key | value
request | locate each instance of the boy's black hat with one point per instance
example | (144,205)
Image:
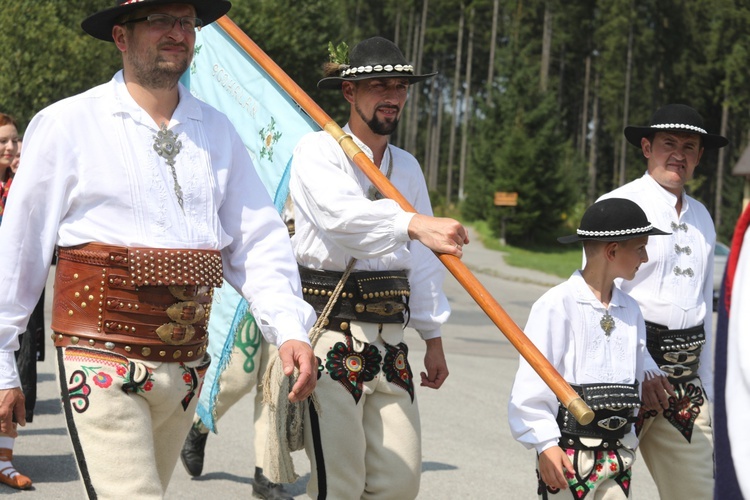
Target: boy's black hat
(613,219)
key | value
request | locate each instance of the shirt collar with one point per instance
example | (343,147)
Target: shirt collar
(584,294)
(662,194)
(187,109)
(365,148)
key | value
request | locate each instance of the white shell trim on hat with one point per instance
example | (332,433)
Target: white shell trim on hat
(680,126)
(405,68)
(619,232)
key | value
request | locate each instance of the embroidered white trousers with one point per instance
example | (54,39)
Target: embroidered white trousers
(127,419)
(681,461)
(366,442)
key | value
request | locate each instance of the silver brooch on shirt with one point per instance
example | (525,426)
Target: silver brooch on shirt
(676,226)
(168,147)
(683,272)
(678,249)
(607,323)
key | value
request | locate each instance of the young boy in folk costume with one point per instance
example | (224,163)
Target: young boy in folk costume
(595,336)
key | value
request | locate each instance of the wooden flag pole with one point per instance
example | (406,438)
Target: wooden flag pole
(478,292)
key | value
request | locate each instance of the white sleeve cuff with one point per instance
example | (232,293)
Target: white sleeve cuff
(8,372)
(284,329)
(429,334)
(545,445)
(401,226)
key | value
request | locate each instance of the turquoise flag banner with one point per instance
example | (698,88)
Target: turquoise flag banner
(268,120)
(270,123)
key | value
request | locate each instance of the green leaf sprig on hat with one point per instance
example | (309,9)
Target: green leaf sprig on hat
(339,54)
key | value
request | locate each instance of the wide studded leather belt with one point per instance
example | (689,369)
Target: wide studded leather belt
(145,303)
(614,407)
(677,352)
(368,296)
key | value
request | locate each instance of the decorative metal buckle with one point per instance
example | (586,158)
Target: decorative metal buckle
(677,370)
(186,313)
(679,356)
(189,292)
(612,423)
(385,308)
(175,333)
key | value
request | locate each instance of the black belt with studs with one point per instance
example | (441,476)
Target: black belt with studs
(367,296)
(613,406)
(677,352)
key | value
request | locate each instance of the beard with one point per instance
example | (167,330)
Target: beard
(155,72)
(380,127)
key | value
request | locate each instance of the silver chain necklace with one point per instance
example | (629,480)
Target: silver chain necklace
(373,193)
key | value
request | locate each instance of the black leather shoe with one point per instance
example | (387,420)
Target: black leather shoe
(264,488)
(193,451)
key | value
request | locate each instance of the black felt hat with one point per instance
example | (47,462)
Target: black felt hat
(613,219)
(374,57)
(675,118)
(99,25)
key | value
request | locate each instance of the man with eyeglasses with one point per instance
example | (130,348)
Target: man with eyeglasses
(152,200)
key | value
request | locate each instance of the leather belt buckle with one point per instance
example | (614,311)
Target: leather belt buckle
(385,308)
(188,292)
(612,423)
(676,371)
(186,313)
(175,333)
(679,357)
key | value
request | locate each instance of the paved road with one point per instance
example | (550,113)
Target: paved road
(468,451)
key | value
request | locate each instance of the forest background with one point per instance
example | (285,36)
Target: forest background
(531,96)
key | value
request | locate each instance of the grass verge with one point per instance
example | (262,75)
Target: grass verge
(560,260)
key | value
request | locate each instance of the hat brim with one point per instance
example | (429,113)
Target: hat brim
(334,82)
(635,134)
(99,25)
(575,237)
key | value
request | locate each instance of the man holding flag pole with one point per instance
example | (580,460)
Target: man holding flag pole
(349,241)
(152,199)
(280,467)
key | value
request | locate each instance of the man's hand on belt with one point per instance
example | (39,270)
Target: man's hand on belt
(656,392)
(12,404)
(295,353)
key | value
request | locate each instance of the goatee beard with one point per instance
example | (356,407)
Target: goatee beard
(377,126)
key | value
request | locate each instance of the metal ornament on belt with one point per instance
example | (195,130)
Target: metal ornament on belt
(612,423)
(168,147)
(679,357)
(186,313)
(188,292)
(385,308)
(175,333)
(676,370)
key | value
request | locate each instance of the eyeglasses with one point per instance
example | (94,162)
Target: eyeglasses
(165,22)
